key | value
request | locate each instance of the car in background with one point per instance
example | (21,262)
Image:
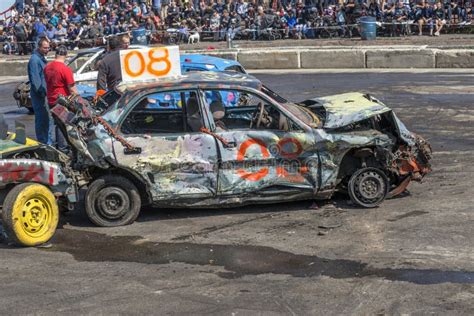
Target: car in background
(84,65)
(199,62)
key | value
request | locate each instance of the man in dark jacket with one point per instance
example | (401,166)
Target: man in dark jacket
(110,73)
(21,34)
(43,126)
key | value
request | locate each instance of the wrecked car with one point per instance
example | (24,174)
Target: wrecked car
(205,151)
(34,181)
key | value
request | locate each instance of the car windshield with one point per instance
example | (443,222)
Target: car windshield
(116,101)
(107,101)
(79,60)
(236,68)
(304,114)
(300,112)
(272,94)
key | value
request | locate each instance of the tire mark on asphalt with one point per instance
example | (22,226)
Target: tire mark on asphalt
(215,228)
(409,214)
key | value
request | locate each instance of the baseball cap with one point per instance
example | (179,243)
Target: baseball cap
(61,50)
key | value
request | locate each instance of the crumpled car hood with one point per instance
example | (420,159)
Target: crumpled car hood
(9,144)
(348,108)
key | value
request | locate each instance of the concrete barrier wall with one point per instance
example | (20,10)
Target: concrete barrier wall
(337,58)
(325,58)
(400,59)
(455,59)
(269,59)
(351,58)
(13,68)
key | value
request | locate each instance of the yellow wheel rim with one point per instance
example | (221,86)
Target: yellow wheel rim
(35,215)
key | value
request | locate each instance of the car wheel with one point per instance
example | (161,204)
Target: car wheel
(30,214)
(368,187)
(112,201)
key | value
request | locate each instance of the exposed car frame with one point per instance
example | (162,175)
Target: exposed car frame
(288,152)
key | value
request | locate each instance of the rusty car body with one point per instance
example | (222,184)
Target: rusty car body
(204,151)
(187,142)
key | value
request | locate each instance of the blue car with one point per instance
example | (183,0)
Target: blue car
(198,62)
(189,63)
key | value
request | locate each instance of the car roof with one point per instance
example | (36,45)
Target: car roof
(99,49)
(202,79)
(90,50)
(219,63)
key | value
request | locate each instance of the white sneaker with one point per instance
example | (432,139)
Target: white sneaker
(436,33)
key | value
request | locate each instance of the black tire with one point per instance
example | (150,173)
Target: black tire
(112,201)
(368,187)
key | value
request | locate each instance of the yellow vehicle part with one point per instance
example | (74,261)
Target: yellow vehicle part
(9,144)
(30,214)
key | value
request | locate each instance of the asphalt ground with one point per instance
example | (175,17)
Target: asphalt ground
(413,254)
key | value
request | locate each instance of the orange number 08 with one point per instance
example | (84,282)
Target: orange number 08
(153,60)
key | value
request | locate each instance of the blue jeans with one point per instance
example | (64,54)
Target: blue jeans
(59,140)
(231,32)
(43,119)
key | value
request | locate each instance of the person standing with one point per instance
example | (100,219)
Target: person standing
(39,30)
(59,81)
(156,6)
(38,92)
(21,34)
(110,72)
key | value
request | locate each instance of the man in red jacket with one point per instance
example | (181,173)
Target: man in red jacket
(59,81)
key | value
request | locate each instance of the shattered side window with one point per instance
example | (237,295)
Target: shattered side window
(228,98)
(231,108)
(238,109)
(159,113)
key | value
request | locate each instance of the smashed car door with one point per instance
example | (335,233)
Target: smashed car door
(170,152)
(261,149)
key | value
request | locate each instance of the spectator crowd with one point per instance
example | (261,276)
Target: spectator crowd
(85,23)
